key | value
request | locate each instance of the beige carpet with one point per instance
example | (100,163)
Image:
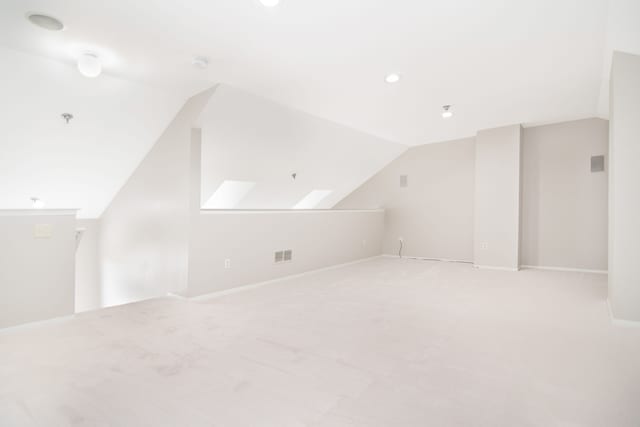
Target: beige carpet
(384,343)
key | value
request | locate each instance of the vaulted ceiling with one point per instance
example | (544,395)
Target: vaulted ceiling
(497,62)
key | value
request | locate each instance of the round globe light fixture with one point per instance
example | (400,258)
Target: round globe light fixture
(270,3)
(89,65)
(392,78)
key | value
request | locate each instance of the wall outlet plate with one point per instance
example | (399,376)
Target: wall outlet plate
(227,263)
(42,231)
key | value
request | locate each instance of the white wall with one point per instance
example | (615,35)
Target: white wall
(434,213)
(249,239)
(248,138)
(36,274)
(497,197)
(88,290)
(564,204)
(624,189)
(145,231)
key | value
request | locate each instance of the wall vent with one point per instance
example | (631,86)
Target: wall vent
(597,163)
(404,181)
(283,256)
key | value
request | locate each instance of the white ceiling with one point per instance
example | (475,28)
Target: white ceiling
(248,138)
(498,62)
(82,164)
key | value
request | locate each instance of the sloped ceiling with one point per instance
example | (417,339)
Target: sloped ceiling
(498,62)
(251,139)
(81,164)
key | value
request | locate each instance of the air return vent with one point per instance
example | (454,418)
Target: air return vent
(283,256)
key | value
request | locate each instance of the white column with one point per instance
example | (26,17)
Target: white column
(624,188)
(497,198)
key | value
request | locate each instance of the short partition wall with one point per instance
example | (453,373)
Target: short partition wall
(234,248)
(37,263)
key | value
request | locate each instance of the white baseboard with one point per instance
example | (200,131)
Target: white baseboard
(491,267)
(621,322)
(427,259)
(37,323)
(573,270)
(243,288)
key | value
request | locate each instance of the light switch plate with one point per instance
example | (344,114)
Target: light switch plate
(42,231)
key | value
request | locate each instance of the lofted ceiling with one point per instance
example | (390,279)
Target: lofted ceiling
(260,144)
(497,62)
(81,164)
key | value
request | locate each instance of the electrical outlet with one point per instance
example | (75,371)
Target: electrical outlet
(42,231)
(401,239)
(484,246)
(364,243)
(227,263)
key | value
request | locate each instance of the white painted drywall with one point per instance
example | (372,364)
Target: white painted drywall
(434,213)
(624,188)
(497,197)
(145,231)
(36,274)
(88,290)
(564,204)
(249,239)
(248,138)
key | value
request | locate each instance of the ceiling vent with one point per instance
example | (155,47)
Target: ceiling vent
(45,21)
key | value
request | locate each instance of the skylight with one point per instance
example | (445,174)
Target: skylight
(229,194)
(313,199)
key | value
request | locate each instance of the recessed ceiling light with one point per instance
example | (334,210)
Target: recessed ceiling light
(200,62)
(89,65)
(392,78)
(37,203)
(446,111)
(270,3)
(45,21)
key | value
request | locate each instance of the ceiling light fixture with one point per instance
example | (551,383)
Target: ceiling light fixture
(89,65)
(446,111)
(270,3)
(200,62)
(45,21)
(392,78)
(37,203)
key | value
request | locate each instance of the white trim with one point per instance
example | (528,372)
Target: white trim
(36,323)
(243,288)
(37,212)
(419,258)
(572,270)
(621,322)
(289,211)
(491,267)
